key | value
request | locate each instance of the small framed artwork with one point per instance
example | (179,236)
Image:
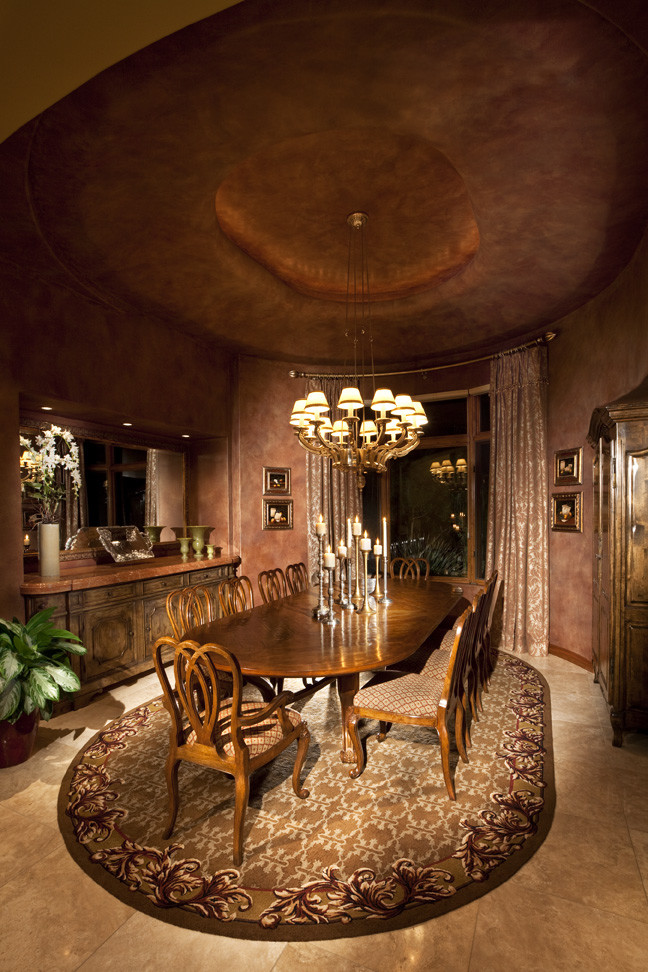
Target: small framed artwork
(277,514)
(566,512)
(276,480)
(567,467)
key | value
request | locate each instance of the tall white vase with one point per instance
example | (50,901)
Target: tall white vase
(49,549)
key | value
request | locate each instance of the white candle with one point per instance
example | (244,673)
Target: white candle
(342,550)
(377,548)
(329,559)
(384,543)
(357,527)
(365,543)
(349,534)
(320,526)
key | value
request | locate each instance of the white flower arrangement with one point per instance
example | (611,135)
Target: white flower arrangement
(53,449)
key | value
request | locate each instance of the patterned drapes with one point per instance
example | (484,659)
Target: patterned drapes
(517,544)
(332,492)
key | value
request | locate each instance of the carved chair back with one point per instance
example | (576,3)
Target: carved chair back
(272,584)
(189,606)
(235,594)
(214,726)
(297,577)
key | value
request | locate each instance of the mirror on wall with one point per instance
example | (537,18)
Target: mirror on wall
(123,483)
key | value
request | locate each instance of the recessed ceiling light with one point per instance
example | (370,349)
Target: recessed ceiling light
(46,408)
(185,436)
(127,424)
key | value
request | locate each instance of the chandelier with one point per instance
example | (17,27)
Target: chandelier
(354,440)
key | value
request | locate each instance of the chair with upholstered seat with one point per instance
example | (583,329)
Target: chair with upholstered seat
(235,594)
(189,606)
(297,577)
(432,698)
(220,729)
(272,584)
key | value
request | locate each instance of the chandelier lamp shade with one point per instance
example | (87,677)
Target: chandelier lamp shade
(359,437)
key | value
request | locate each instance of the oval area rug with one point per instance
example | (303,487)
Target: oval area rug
(357,857)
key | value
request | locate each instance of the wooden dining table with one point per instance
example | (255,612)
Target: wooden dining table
(282,639)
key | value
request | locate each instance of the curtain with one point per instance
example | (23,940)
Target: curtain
(151,494)
(76,507)
(332,492)
(517,542)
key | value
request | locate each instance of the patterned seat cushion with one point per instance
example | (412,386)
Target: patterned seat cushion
(448,640)
(414,695)
(258,738)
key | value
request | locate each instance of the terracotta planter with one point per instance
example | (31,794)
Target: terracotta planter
(17,739)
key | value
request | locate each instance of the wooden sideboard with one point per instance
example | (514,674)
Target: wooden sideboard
(619,434)
(119,611)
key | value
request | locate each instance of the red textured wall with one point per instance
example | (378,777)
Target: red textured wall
(600,353)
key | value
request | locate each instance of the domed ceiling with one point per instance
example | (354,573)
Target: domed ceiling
(499,149)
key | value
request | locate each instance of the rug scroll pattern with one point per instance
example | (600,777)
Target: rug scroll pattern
(396,847)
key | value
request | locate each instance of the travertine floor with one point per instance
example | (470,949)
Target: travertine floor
(580,903)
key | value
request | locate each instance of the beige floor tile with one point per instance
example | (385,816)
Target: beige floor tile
(144,944)
(54,916)
(443,943)
(639,840)
(590,863)
(519,929)
(304,957)
(24,842)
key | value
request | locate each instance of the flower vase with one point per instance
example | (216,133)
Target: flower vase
(49,550)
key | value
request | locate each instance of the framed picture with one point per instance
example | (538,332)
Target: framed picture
(276,480)
(566,512)
(277,514)
(568,467)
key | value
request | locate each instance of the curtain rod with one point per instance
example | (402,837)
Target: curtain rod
(544,339)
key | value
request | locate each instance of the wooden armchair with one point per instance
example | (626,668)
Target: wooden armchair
(188,606)
(431,698)
(272,584)
(297,577)
(235,594)
(211,727)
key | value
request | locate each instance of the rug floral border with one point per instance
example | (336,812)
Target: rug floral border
(164,884)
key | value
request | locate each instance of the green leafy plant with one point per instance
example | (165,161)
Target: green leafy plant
(34,665)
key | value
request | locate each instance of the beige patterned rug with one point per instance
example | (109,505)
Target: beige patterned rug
(384,851)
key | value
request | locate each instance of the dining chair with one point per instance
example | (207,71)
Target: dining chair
(431,698)
(272,584)
(218,728)
(235,594)
(395,565)
(297,577)
(188,606)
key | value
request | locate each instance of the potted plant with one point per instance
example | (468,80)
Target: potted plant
(34,668)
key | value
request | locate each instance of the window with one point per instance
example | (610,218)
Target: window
(116,484)
(438,494)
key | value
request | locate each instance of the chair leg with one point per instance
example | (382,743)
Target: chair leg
(384,729)
(461,731)
(442,729)
(302,751)
(352,729)
(242,783)
(172,765)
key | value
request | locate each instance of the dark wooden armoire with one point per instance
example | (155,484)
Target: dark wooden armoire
(619,435)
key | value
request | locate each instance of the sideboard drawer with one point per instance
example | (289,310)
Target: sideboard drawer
(99,596)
